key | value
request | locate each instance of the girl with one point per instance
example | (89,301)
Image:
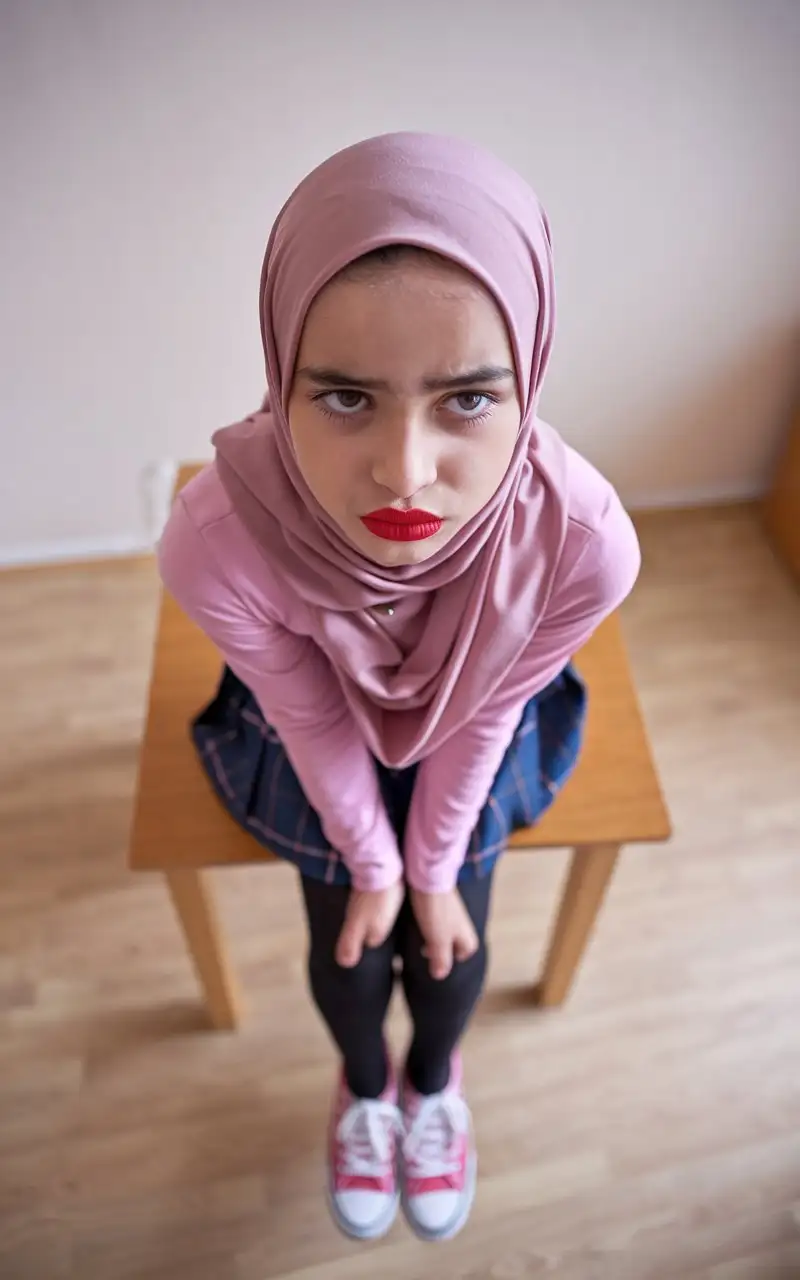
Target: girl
(397,560)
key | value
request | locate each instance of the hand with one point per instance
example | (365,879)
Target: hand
(368,921)
(446,927)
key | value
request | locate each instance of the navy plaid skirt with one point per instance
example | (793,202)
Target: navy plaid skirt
(253,777)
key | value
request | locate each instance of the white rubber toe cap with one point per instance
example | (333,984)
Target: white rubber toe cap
(436,1211)
(363,1213)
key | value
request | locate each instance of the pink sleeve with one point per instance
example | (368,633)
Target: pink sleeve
(454,783)
(299,694)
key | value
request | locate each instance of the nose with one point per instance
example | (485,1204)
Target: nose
(405,459)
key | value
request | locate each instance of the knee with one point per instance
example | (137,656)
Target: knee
(373,970)
(465,975)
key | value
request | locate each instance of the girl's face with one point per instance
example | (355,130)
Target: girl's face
(404,399)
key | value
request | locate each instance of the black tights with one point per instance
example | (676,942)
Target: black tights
(354,1002)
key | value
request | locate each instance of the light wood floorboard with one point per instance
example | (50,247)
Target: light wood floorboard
(649,1130)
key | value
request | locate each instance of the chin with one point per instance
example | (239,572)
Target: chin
(394,555)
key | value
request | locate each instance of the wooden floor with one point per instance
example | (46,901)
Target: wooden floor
(649,1131)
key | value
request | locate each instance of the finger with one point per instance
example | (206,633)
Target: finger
(441,959)
(350,946)
(466,945)
(377,933)
(382,925)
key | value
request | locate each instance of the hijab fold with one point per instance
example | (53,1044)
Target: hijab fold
(493,580)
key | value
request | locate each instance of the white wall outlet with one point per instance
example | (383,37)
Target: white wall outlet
(157,484)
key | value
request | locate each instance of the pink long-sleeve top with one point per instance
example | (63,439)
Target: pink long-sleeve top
(270,639)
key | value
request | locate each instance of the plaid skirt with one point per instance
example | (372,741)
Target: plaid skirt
(248,768)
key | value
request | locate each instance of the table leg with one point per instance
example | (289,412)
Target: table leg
(194,903)
(589,874)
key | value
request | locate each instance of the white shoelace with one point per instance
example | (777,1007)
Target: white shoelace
(365,1131)
(431,1139)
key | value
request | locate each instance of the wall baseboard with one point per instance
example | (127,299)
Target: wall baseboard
(702,496)
(71,550)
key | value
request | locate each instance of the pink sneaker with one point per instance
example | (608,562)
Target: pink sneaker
(439,1162)
(362,1162)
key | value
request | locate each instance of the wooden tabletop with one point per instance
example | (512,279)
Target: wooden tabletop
(614,796)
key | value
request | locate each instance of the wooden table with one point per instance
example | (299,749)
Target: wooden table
(782,502)
(180,828)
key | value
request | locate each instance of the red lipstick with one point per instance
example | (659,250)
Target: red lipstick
(402,526)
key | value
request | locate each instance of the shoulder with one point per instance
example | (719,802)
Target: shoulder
(186,547)
(588,494)
(204,498)
(206,558)
(601,557)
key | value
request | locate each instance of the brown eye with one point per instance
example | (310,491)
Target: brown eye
(470,401)
(344,403)
(470,405)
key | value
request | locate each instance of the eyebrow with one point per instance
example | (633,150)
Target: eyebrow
(325,377)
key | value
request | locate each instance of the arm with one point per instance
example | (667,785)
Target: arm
(300,696)
(453,784)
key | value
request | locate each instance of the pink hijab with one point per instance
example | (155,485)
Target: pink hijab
(493,580)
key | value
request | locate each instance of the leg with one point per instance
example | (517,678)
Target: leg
(191,897)
(441,1009)
(589,874)
(353,1002)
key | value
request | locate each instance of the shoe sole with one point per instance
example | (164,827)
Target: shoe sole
(375,1231)
(459,1222)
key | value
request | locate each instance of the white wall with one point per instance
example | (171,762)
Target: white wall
(148,144)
